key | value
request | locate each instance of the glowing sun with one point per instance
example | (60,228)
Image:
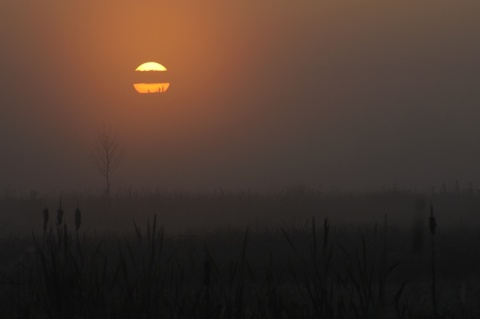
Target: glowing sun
(151,78)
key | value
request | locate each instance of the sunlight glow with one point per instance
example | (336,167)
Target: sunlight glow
(151,87)
(151,66)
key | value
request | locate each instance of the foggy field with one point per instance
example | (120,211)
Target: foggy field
(298,253)
(232,159)
(181,212)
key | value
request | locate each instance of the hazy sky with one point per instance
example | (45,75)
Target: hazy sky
(265,94)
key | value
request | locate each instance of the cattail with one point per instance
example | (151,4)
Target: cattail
(432,221)
(418,227)
(78,218)
(45,218)
(59,214)
(433,225)
(326,230)
(207,269)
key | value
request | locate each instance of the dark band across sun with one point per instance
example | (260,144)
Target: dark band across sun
(151,78)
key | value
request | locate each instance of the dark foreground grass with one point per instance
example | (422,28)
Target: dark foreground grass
(317,271)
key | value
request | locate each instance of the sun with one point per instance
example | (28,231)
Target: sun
(151,66)
(151,87)
(151,76)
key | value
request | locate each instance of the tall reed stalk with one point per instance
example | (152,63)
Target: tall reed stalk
(433,226)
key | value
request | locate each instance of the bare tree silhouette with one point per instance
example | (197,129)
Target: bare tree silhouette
(107,155)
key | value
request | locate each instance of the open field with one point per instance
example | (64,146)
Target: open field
(293,254)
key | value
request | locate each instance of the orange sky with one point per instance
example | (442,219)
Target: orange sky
(350,94)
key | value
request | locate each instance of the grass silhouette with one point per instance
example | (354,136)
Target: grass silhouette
(338,270)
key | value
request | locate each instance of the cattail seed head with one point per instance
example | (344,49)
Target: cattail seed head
(59,214)
(78,218)
(45,218)
(326,230)
(207,269)
(432,221)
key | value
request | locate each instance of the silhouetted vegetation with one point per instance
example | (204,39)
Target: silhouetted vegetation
(316,267)
(107,155)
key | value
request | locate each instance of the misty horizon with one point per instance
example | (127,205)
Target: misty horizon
(344,95)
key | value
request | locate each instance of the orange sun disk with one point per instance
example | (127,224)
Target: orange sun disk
(151,87)
(156,87)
